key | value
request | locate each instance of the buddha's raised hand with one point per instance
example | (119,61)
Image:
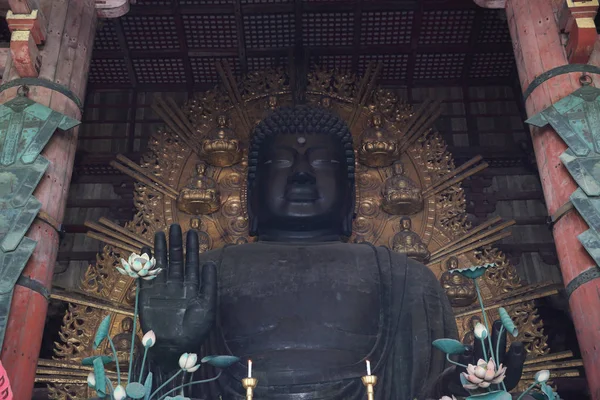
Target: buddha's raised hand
(179,305)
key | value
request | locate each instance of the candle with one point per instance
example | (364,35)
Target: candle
(249,368)
(368,367)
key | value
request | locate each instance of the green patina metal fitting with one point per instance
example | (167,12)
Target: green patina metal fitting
(11,267)
(18,181)
(14,223)
(576,119)
(26,127)
(591,242)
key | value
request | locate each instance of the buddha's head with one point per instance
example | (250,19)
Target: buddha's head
(405,224)
(301,175)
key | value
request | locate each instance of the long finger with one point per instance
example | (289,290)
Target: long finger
(478,349)
(175,271)
(496,327)
(515,360)
(192,265)
(160,253)
(147,250)
(208,286)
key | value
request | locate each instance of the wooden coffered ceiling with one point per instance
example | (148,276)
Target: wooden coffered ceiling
(174,44)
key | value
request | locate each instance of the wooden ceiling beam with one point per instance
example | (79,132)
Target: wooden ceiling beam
(181,37)
(241,36)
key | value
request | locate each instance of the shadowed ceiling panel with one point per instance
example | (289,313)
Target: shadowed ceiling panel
(381,27)
(328,29)
(205,71)
(439,66)
(142,32)
(446,26)
(453,40)
(340,62)
(260,63)
(106,36)
(154,2)
(203,2)
(494,28)
(210,30)
(269,30)
(394,65)
(264,1)
(109,70)
(159,70)
(490,65)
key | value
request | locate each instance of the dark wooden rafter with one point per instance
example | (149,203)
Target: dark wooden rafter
(183,46)
(118,25)
(241,36)
(357,34)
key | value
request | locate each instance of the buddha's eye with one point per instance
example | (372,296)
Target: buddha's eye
(318,163)
(281,163)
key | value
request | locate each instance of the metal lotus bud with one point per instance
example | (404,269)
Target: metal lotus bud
(542,376)
(91,380)
(149,339)
(119,393)
(188,361)
(480,331)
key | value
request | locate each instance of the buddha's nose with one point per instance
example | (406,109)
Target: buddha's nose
(302,178)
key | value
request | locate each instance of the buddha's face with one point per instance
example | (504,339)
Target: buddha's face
(405,224)
(301,183)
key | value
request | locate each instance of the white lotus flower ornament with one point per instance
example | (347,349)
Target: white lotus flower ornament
(119,393)
(91,380)
(139,266)
(187,362)
(149,339)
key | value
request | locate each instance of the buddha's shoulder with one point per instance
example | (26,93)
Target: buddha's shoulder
(414,270)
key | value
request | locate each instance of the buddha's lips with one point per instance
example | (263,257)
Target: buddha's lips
(296,192)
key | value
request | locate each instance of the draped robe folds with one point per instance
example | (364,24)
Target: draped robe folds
(413,312)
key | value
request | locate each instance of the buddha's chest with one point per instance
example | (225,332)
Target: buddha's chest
(300,294)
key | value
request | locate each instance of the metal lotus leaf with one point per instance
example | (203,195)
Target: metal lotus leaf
(26,127)
(449,346)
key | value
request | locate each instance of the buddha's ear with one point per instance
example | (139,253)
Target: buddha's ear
(252,220)
(350,212)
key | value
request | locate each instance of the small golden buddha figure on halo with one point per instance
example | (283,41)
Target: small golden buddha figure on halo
(401,196)
(201,195)
(460,290)
(221,147)
(122,341)
(407,241)
(272,102)
(378,147)
(325,102)
(204,241)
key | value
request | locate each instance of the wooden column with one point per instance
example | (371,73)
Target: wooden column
(538,48)
(65,59)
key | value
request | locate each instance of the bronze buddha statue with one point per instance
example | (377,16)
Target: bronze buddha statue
(460,290)
(401,196)
(307,307)
(201,195)
(408,242)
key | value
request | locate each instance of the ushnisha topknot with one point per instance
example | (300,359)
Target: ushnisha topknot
(301,120)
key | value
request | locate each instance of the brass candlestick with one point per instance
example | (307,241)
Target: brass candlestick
(249,384)
(370,381)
